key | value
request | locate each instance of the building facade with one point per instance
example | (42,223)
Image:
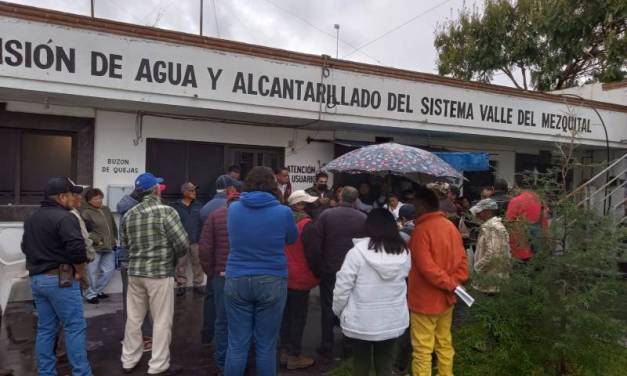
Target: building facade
(102,101)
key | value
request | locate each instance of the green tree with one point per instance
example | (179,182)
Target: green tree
(554,44)
(563,312)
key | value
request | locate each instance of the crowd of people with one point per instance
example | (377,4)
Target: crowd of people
(387,264)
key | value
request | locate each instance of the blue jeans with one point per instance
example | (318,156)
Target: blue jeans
(208,315)
(105,264)
(254,308)
(55,304)
(221,330)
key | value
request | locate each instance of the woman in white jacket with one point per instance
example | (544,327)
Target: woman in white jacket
(370,295)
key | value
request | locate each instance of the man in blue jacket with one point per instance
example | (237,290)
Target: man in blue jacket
(225,185)
(189,211)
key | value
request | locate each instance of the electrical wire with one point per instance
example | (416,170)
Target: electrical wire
(160,9)
(331,35)
(215,17)
(414,18)
(119,6)
(144,19)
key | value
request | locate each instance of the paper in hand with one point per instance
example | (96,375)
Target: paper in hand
(464,296)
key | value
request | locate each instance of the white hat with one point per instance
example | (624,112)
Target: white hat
(485,204)
(301,196)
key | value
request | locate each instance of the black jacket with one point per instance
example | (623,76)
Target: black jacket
(502,200)
(336,229)
(190,217)
(52,236)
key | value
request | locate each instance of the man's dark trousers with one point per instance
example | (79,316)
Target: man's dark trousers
(328,319)
(294,321)
(209,315)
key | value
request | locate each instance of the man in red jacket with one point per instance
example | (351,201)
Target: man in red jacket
(439,266)
(300,280)
(214,252)
(529,223)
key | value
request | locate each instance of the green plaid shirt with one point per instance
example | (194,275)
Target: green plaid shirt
(155,238)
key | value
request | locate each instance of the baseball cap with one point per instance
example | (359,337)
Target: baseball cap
(225,181)
(146,181)
(407,212)
(59,185)
(189,186)
(301,196)
(485,204)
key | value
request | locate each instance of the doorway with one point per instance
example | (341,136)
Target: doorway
(202,162)
(247,158)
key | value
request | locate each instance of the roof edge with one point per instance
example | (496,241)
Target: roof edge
(614,85)
(126,29)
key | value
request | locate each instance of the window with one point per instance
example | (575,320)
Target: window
(29,159)
(202,162)
(180,161)
(477,180)
(527,164)
(247,158)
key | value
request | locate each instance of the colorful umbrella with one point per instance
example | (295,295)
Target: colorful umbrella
(392,158)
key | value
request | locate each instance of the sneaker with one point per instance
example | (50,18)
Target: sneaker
(283,357)
(299,362)
(102,295)
(180,291)
(93,300)
(173,370)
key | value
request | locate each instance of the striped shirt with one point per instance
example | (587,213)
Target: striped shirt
(155,238)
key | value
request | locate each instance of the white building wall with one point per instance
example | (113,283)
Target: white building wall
(597,93)
(116,131)
(50,109)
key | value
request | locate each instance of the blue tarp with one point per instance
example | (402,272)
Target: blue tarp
(472,161)
(461,161)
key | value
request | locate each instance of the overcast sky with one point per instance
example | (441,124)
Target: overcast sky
(396,33)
